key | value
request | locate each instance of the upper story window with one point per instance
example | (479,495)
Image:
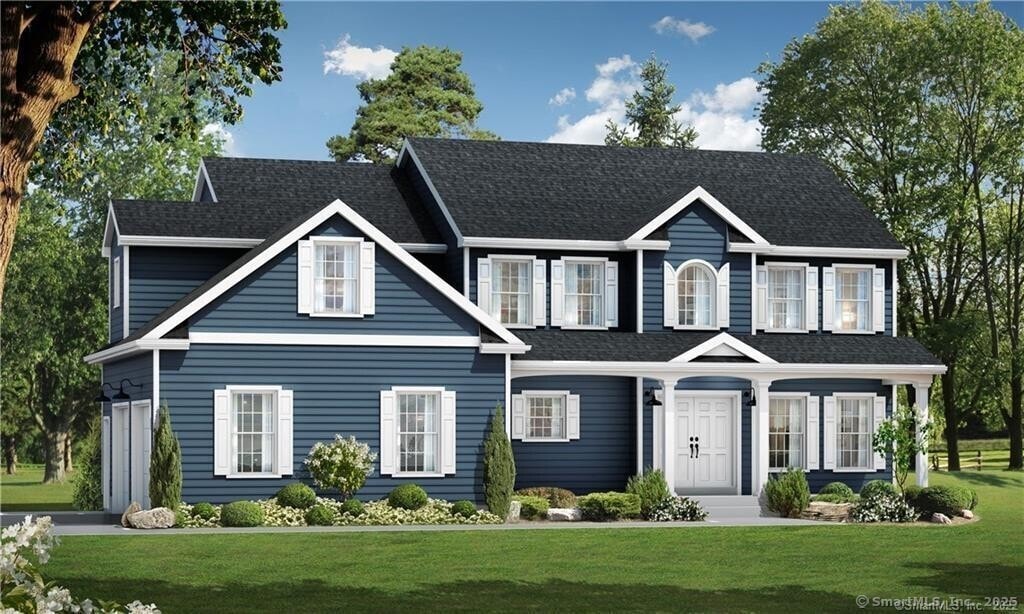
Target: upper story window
(511,283)
(786,298)
(584,294)
(336,277)
(696,286)
(853,299)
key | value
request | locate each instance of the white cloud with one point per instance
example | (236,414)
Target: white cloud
(563,97)
(735,96)
(360,62)
(222,134)
(617,79)
(683,27)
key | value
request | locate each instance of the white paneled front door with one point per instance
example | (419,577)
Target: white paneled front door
(705,443)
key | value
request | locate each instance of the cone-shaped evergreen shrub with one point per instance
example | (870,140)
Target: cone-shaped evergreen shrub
(165,465)
(88,481)
(499,467)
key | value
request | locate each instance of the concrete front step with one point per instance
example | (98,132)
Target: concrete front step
(730,506)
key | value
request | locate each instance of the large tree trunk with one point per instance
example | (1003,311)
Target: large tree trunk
(952,414)
(1013,423)
(10,456)
(66,453)
(53,456)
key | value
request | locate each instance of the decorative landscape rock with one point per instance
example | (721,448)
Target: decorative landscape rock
(156,518)
(968,514)
(564,514)
(131,509)
(941,518)
(828,512)
(514,509)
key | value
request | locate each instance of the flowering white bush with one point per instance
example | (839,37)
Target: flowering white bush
(22,588)
(677,508)
(343,464)
(883,507)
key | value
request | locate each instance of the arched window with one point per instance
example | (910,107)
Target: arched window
(696,286)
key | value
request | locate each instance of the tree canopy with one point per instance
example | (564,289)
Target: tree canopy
(650,114)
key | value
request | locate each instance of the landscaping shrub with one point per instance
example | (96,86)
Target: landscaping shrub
(241,514)
(970,496)
(652,489)
(533,508)
(602,506)
(466,509)
(165,464)
(204,510)
(319,516)
(945,500)
(911,493)
(353,507)
(875,487)
(407,497)
(499,467)
(836,488)
(557,497)
(88,480)
(343,464)
(296,495)
(677,508)
(828,498)
(883,507)
(788,493)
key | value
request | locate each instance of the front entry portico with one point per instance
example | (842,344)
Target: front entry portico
(706,443)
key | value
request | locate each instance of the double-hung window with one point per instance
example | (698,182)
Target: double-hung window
(511,284)
(787,439)
(854,427)
(336,277)
(786,297)
(253,433)
(584,294)
(545,417)
(419,433)
(853,299)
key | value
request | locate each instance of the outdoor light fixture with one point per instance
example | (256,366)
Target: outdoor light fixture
(650,400)
(121,394)
(753,397)
(102,398)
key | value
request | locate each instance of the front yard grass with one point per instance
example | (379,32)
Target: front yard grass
(25,492)
(820,568)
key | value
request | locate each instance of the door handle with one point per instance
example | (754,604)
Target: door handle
(691,447)
(697,445)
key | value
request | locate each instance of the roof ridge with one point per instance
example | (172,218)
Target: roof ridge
(613,147)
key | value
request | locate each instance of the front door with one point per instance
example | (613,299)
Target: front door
(705,438)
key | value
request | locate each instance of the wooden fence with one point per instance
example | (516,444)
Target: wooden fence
(940,462)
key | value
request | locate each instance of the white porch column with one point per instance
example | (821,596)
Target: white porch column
(668,431)
(759,419)
(921,405)
(639,425)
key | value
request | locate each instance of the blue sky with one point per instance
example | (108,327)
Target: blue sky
(521,56)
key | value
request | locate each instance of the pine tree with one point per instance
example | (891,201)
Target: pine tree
(499,467)
(87,494)
(649,114)
(165,465)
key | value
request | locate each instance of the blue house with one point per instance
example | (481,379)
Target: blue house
(717,315)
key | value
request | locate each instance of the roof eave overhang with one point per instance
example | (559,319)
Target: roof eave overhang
(130,348)
(565,244)
(819,252)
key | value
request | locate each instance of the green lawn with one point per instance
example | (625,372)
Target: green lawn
(25,492)
(821,568)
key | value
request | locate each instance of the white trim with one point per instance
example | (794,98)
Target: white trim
(134,347)
(465,271)
(202,174)
(806,397)
(710,346)
(583,245)
(373,233)
(407,148)
(699,194)
(870,270)
(604,292)
(639,298)
(895,302)
(156,383)
(232,452)
(507,405)
(504,348)
(425,248)
(736,396)
(802,267)
(443,395)
(335,339)
(108,232)
(360,301)
(819,252)
(753,294)
(125,279)
(244,243)
(640,425)
(839,396)
(562,394)
(713,290)
(491,260)
(115,281)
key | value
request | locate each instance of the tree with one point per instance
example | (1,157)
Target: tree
(650,114)
(897,437)
(499,467)
(871,92)
(426,94)
(88,481)
(1008,291)
(54,54)
(165,464)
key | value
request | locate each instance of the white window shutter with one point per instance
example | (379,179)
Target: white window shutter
(572,416)
(761,302)
(285,413)
(116,291)
(221,433)
(540,288)
(448,432)
(105,461)
(879,418)
(722,305)
(812,432)
(830,433)
(367,278)
(518,416)
(388,417)
(671,297)
(611,294)
(811,306)
(878,299)
(483,284)
(557,292)
(305,281)
(828,298)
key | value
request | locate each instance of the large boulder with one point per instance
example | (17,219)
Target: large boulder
(514,509)
(131,509)
(941,518)
(968,514)
(156,518)
(829,512)
(564,514)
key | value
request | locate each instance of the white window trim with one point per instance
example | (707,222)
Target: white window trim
(232,452)
(495,258)
(439,391)
(714,295)
(795,266)
(115,292)
(567,260)
(358,313)
(806,396)
(871,430)
(564,395)
(870,269)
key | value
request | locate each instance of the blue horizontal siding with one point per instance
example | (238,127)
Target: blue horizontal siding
(336,390)
(453,272)
(266,301)
(603,457)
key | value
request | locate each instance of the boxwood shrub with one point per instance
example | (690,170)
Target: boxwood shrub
(319,516)
(353,507)
(408,497)
(532,508)
(466,509)
(204,510)
(296,495)
(837,488)
(557,497)
(945,500)
(241,514)
(877,487)
(603,506)
(788,493)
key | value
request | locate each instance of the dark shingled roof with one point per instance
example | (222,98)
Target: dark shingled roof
(556,191)
(255,197)
(605,346)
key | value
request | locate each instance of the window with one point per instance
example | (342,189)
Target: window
(545,417)
(335,277)
(584,294)
(252,431)
(696,291)
(117,284)
(418,432)
(853,299)
(786,437)
(854,427)
(510,291)
(786,298)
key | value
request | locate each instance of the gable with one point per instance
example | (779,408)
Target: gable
(696,197)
